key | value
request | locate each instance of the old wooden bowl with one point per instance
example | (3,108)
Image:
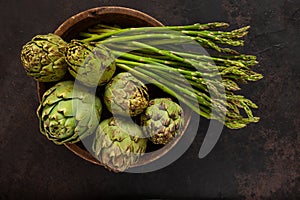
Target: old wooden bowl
(124,17)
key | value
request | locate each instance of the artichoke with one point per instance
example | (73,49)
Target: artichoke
(68,113)
(118,143)
(125,95)
(162,120)
(91,65)
(43,58)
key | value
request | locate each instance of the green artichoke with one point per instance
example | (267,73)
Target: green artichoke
(118,143)
(43,58)
(162,120)
(125,95)
(91,65)
(68,113)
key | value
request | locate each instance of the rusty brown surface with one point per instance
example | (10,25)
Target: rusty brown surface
(277,138)
(260,161)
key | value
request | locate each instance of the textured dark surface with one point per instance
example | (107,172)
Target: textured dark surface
(260,161)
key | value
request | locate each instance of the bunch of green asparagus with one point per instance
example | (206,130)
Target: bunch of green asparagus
(200,80)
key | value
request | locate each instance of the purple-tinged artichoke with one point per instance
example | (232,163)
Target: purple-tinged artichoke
(162,121)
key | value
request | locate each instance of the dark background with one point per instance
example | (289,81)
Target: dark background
(259,161)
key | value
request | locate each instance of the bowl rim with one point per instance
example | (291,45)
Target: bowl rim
(90,13)
(67,24)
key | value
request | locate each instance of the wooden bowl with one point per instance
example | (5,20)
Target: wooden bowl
(124,17)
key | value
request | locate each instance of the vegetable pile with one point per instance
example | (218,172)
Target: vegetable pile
(120,62)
